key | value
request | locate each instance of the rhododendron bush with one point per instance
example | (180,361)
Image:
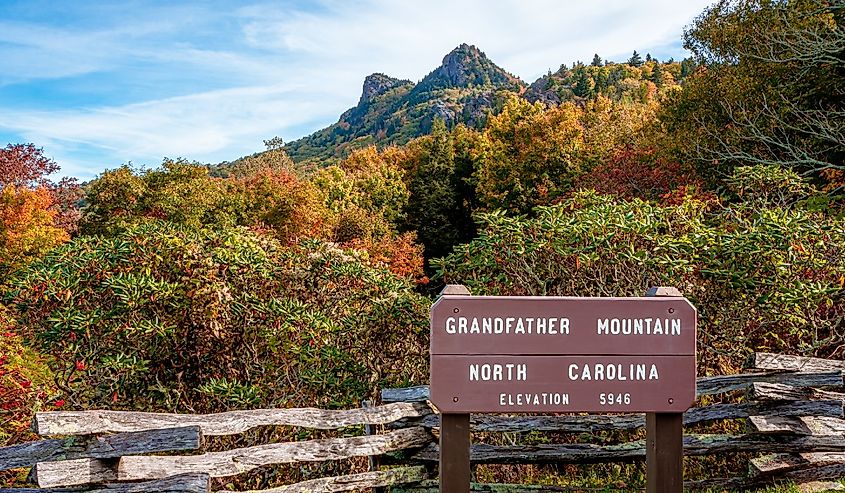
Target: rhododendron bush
(764,277)
(161,317)
(26,386)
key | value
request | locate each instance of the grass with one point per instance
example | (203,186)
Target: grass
(605,478)
(787,488)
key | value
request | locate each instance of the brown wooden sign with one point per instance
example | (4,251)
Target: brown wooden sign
(551,354)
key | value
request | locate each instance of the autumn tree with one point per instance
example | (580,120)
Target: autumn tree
(113,200)
(533,155)
(274,159)
(367,192)
(27,228)
(639,172)
(268,197)
(610,126)
(291,208)
(779,74)
(36,214)
(67,197)
(178,191)
(366,198)
(24,165)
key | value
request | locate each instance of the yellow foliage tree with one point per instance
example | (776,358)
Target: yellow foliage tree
(610,126)
(293,208)
(533,157)
(27,227)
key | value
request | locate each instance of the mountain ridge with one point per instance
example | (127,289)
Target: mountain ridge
(463,89)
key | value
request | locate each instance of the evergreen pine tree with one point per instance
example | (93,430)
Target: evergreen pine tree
(433,207)
(635,60)
(687,66)
(596,61)
(657,75)
(583,85)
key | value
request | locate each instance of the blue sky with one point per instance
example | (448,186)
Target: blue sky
(98,84)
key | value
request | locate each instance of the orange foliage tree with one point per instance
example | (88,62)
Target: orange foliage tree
(27,225)
(277,199)
(401,254)
(24,165)
(366,198)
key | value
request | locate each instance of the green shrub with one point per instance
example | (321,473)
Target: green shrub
(165,317)
(762,279)
(768,185)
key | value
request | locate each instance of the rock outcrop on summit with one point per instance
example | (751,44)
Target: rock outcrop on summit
(378,84)
(467,66)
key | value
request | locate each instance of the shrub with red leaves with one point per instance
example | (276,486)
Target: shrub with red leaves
(635,172)
(25,385)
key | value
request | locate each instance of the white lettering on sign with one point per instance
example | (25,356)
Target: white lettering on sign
(617,399)
(507,325)
(530,399)
(639,326)
(599,371)
(496,372)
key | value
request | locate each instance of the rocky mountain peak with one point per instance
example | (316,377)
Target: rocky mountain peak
(464,66)
(377,84)
(460,65)
(461,55)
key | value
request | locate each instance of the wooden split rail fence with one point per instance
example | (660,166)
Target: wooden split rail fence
(793,407)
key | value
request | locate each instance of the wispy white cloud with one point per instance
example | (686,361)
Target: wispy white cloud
(208,127)
(408,39)
(225,78)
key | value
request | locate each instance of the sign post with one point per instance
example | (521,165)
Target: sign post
(664,453)
(454,436)
(562,354)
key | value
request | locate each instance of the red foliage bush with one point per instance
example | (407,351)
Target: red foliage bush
(635,172)
(25,384)
(401,254)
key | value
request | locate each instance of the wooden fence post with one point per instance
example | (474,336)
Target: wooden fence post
(664,439)
(373,461)
(455,472)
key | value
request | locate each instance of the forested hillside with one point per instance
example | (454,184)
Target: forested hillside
(466,89)
(302,276)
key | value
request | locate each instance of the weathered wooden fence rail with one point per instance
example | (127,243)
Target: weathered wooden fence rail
(793,407)
(104,450)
